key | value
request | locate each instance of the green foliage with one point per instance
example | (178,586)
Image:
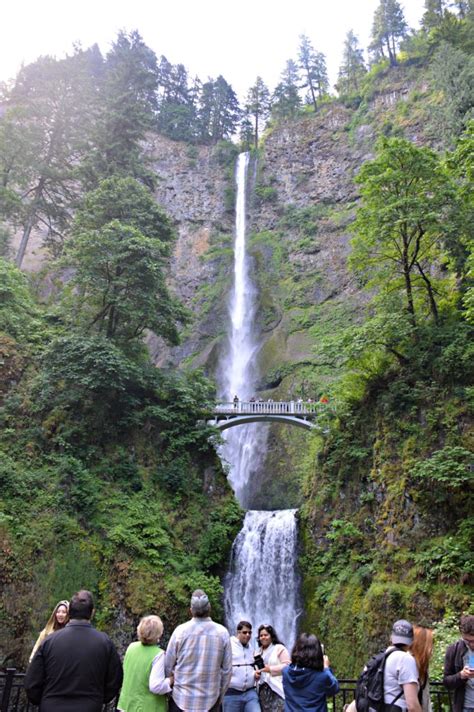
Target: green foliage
(445,558)
(19,315)
(450,468)
(266,193)
(401,225)
(452,75)
(389,26)
(216,543)
(446,632)
(118,288)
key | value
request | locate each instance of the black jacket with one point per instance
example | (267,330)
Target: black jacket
(453,664)
(76,669)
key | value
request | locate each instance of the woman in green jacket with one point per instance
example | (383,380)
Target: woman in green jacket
(145,686)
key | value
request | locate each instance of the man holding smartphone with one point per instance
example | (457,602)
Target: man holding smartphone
(459,667)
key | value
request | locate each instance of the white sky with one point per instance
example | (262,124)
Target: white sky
(210,37)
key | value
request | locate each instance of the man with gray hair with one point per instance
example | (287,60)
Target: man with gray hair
(199,655)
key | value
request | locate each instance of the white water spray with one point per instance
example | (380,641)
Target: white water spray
(262,584)
(245,446)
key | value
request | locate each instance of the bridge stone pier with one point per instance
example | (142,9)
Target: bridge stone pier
(299,413)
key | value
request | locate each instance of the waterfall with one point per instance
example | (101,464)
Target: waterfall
(262,583)
(245,445)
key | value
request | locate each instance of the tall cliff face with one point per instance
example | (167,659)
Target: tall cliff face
(302,199)
(302,195)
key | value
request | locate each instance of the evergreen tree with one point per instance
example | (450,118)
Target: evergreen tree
(257,107)
(219,111)
(119,241)
(246,134)
(286,99)
(177,108)
(434,13)
(43,138)
(128,109)
(314,71)
(389,27)
(352,69)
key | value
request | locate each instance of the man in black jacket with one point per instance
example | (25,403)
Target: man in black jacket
(77,668)
(459,667)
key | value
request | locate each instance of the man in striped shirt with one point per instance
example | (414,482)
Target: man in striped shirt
(199,655)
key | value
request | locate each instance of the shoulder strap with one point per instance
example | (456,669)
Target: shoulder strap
(389,652)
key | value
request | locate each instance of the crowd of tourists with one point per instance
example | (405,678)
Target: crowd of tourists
(75,668)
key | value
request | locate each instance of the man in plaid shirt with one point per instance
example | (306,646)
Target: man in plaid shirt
(199,655)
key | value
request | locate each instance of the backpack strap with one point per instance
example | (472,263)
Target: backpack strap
(389,652)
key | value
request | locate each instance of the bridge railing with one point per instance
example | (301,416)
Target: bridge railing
(13,697)
(268,408)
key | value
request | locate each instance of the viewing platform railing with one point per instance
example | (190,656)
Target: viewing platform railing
(13,697)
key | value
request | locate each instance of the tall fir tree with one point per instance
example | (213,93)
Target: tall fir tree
(177,108)
(219,112)
(286,99)
(128,109)
(257,107)
(352,69)
(313,69)
(388,28)
(44,136)
(434,13)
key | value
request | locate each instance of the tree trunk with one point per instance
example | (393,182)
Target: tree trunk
(408,285)
(32,214)
(313,96)
(429,289)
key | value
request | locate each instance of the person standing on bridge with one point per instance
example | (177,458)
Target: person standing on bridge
(236,402)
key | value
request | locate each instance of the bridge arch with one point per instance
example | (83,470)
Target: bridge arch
(233,421)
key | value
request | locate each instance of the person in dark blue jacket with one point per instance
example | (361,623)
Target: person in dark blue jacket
(309,680)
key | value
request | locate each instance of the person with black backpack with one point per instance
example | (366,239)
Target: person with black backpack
(389,681)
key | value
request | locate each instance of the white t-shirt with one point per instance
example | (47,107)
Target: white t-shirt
(400,668)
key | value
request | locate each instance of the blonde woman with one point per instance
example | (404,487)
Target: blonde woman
(57,620)
(145,686)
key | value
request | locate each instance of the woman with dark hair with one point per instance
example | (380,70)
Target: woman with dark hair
(269,679)
(309,680)
(56,621)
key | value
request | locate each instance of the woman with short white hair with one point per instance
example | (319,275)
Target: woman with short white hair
(144,683)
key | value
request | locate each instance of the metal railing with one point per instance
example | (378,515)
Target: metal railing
(268,408)
(13,697)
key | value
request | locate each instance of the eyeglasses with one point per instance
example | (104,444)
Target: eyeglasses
(245,632)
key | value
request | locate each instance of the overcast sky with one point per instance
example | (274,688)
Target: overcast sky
(239,40)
